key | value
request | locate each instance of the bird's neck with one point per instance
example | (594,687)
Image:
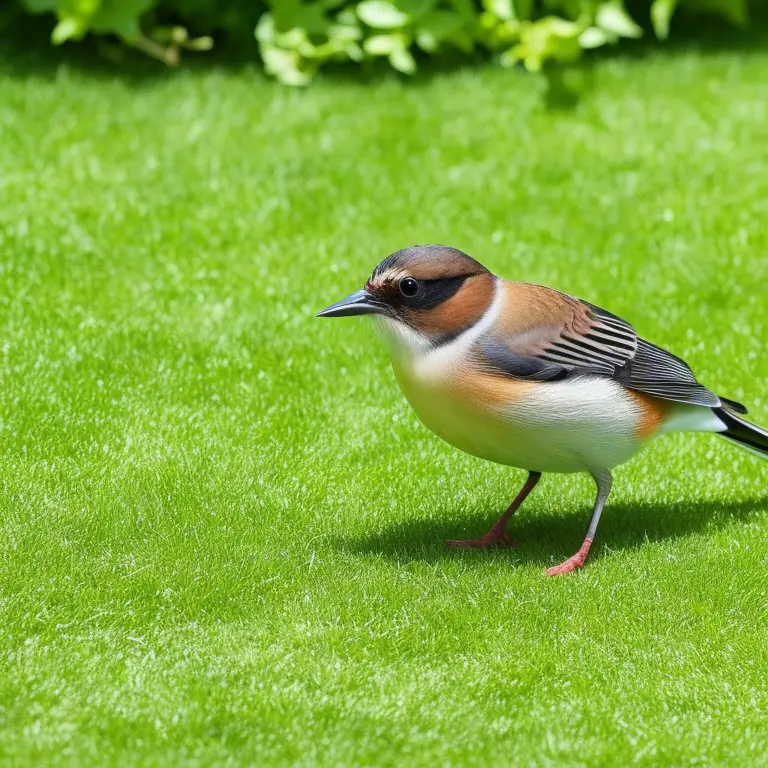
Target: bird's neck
(404,343)
(409,344)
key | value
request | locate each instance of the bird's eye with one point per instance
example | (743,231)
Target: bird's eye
(408,287)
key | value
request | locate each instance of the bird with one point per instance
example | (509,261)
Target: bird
(529,377)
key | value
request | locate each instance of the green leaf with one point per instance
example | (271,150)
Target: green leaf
(347,16)
(736,11)
(69,28)
(427,42)
(121,17)
(594,37)
(438,26)
(548,38)
(465,8)
(511,57)
(293,39)
(661,15)
(502,35)
(354,52)
(40,6)
(523,10)
(380,14)
(613,17)
(295,14)
(345,33)
(204,43)
(82,9)
(413,9)
(403,61)
(384,45)
(462,40)
(501,9)
(286,66)
(265,29)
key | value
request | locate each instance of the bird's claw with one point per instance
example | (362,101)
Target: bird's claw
(571,564)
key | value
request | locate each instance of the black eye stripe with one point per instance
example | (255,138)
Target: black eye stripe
(430,292)
(434,292)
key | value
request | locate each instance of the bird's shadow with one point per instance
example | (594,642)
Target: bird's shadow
(543,537)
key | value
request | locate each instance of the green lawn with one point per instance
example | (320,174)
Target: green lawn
(221,525)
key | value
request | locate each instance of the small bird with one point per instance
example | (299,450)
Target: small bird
(530,377)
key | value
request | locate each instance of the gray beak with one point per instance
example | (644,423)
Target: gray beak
(359,303)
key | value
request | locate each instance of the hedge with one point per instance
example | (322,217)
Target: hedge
(297,37)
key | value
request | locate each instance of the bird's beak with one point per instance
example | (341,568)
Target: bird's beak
(359,303)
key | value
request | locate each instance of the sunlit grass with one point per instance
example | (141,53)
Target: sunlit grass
(221,526)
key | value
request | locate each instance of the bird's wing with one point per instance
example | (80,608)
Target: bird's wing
(544,335)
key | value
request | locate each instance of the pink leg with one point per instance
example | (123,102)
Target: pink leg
(604,481)
(498,536)
(573,562)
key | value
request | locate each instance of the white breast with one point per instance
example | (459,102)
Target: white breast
(569,426)
(575,425)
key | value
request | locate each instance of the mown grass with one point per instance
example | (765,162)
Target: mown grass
(221,526)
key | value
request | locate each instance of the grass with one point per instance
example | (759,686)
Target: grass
(220,524)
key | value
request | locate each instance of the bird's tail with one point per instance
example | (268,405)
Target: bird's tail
(748,436)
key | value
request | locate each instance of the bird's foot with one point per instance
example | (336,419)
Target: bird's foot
(491,539)
(573,562)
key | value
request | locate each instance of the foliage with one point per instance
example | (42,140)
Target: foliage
(296,37)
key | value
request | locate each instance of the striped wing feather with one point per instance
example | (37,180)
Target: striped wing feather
(608,344)
(603,345)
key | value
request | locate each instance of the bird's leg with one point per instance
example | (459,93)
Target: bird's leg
(604,480)
(498,536)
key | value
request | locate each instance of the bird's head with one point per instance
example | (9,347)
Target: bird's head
(422,296)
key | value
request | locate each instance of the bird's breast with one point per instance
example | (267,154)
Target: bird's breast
(466,408)
(567,426)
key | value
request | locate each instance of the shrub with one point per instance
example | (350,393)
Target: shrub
(297,37)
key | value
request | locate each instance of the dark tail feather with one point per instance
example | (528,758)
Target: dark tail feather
(749,436)
(733,405)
